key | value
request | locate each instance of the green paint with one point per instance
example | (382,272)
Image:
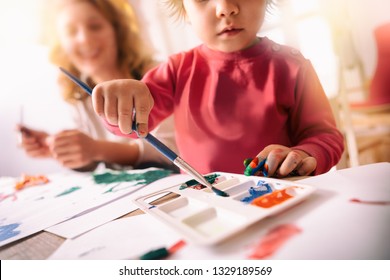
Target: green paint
(144,178)
(157,254)
(68,191)
(210,178)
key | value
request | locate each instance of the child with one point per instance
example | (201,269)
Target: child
(97,40)
(235,96)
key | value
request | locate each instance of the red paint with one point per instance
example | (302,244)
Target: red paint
(176,247)
(5,196)
(370,202)
(272,199)
(273,240)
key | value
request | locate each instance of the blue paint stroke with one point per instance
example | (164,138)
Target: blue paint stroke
(8,231)
(261,188)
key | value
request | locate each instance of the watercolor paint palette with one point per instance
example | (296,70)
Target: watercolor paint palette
(205,218)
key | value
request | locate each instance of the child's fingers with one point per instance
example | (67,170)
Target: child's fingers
(307,166)
(125,114)
(290,163)
(98,100)
(111,110)
(275,159)
(143,103)
(105,101)
(115,101)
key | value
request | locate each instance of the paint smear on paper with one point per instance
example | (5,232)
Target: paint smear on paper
(370,202)
(162,253)
(273,241)
(88,252)
(272,199)
(4,196)
(176,247)
(144,178)
(8,231)
(28,180)
(68,191)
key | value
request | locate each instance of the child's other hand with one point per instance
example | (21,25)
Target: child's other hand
(33,142)
(283,161)
(115,101)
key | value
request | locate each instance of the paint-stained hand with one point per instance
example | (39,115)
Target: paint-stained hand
(116,100)
(72,148)
(33,142)
(280,161)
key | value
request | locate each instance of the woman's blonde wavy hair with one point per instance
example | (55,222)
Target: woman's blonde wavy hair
(133,55)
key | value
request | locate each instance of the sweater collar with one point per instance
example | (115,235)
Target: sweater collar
(248,53)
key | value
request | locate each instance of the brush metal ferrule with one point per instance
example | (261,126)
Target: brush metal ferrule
(179,162)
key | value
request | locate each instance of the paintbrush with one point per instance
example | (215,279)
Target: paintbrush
(171,155)
(22,129)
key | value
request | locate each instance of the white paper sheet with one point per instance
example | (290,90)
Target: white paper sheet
(126,238)
(36,208)
(79,225)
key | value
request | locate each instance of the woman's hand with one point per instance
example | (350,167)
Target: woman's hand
(33,142)
(73,149)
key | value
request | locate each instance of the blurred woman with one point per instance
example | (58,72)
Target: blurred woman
(97,40)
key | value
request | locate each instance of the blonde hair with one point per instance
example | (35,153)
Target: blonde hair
(133,55)
(177,10)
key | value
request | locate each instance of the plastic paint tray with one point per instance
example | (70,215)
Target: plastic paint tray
(205,218)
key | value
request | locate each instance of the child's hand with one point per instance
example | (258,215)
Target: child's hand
(115,101)
(280,161)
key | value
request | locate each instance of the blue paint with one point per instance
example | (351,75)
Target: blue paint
(8,231)
(261,188)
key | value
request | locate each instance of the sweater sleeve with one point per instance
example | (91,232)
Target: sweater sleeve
(161,83)
(312,122)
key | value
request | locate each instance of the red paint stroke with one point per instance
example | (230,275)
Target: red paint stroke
(272,199)
(273,240)
(370,202)
(5,196)
(176,247)
(28,181)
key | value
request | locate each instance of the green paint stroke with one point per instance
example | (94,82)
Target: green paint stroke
(144,178)
(210,178)
(68,191)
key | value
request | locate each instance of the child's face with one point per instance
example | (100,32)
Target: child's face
(87,38)
(226,25)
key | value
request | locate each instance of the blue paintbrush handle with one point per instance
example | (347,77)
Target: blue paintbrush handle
(81,84)
(171,155)
(161,147)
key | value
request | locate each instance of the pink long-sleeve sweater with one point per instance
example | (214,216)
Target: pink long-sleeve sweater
(229,106)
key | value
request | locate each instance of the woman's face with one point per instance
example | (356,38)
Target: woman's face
(88,38)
